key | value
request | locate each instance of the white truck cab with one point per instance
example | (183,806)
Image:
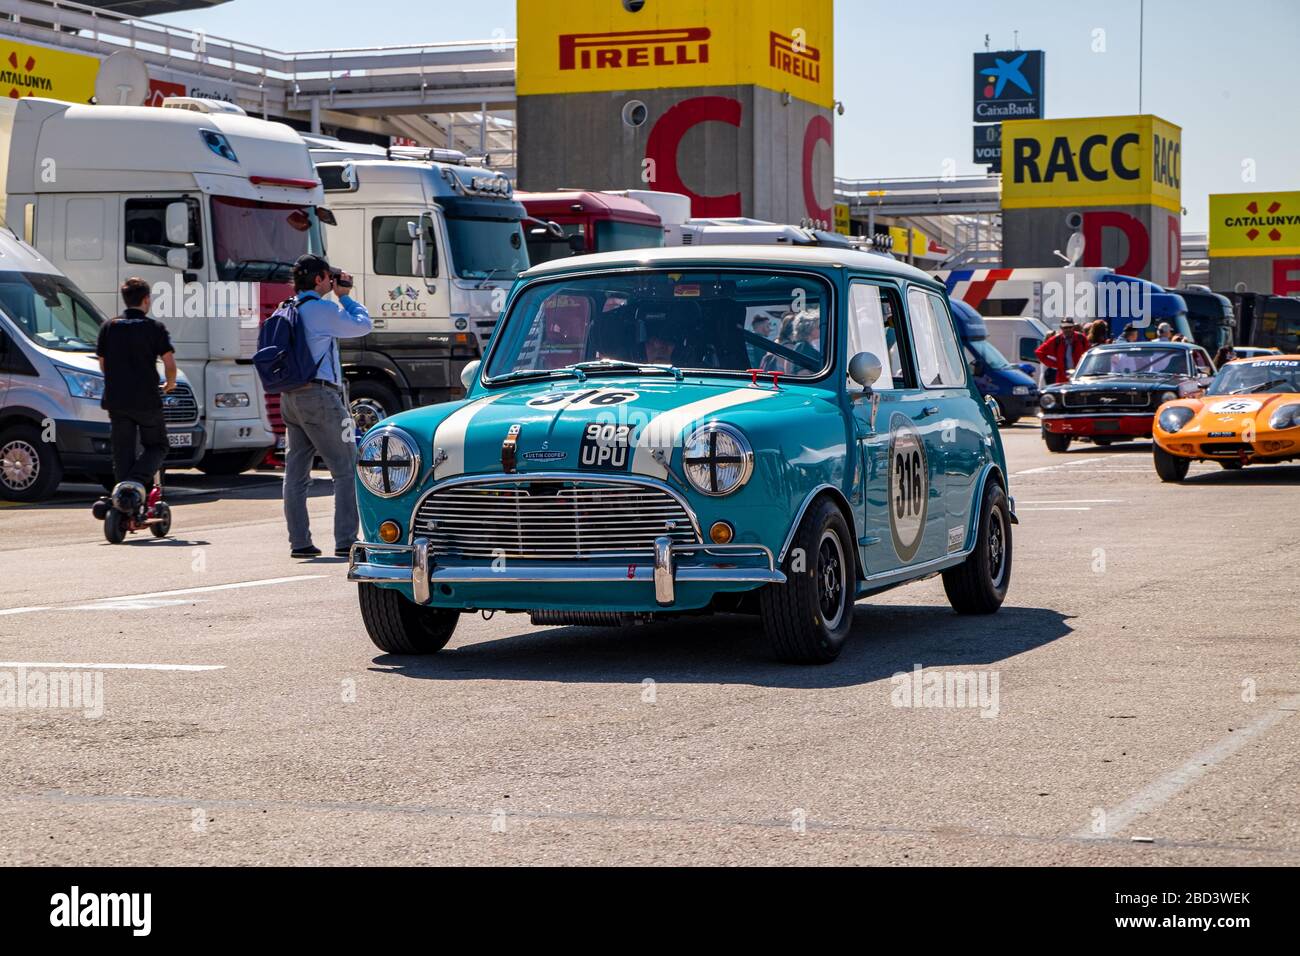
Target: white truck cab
(433,248)
(209,206)
(51,425)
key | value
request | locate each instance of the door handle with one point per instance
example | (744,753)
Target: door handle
(929,410)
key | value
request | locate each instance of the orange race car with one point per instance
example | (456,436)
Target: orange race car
(1249,414)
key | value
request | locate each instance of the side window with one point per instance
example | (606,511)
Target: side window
(391,241)
(873,327)
(1203,364)
(144,232)
(938,359)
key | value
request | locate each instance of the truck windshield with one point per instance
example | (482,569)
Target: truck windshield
(612,236)
(259,241)
(988,353)
(691,320)
(50,311)
(487,248)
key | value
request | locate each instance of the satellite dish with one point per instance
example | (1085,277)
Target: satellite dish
(123,80)
(1074,248)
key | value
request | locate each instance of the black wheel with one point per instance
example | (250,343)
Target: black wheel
(1233,465)
(371,402)
(225,463)
(1055,442)
(1103,442)
(808,618)
(979,584)
(163,527)
(1170,467)
(115,526)
(30,469)
(399,626)
(1009,420)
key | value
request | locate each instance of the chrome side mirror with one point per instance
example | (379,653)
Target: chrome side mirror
(865,369)
(469,373)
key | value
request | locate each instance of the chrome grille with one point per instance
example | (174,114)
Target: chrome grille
(1107,398)
(550,518)
(179,406)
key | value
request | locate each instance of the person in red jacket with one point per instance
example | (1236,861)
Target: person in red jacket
(1061,351)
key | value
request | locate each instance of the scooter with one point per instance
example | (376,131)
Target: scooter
(131,508)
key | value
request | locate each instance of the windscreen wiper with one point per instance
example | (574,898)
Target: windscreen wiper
(619,365)
(538,373)
(1262,386)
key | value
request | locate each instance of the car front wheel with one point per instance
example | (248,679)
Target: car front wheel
(1055,442)
(399,626)
(29,467)
(1169,467)
(808,618)
(979,584)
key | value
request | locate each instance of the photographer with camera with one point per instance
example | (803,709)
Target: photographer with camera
(316,415)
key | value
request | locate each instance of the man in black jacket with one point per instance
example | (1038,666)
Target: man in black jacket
(129,348)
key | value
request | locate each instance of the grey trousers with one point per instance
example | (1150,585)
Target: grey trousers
(318,423)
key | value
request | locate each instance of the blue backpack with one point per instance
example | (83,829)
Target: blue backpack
(283,359)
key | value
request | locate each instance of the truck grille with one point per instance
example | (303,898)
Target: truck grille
(552,519)
(1108,398)
(180,406)
(484,328)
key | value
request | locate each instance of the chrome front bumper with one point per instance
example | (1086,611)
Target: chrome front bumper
(704,563)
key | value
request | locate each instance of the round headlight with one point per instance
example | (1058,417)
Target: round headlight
(1168,397)
(717,459)
(1048,400)
(1288,416)
(388,462)
(1173,419)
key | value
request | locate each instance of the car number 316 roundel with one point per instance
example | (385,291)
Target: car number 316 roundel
(909,486)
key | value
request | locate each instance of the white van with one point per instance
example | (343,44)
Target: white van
(1017,337)
(51,424)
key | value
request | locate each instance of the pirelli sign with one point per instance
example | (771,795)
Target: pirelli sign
(584,46)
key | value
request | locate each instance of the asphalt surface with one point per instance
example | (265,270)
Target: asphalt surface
(1141,689)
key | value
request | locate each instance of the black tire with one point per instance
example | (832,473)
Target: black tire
(1169,467)
(1056,443)
(163,527)
(370,403)
(30,469)
(1103,442)
(797,615)
(979,584)
(1009,420)
(115,526)
(227,463)
(399,626)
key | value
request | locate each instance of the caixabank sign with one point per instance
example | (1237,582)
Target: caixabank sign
(727,102)
(1255,240)
(1115,179)
(1008,85)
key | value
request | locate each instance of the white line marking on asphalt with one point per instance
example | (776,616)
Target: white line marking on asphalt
(1073,501)
(1164,788)
(1019,509)
(136,602)
(38,665)
(1064,464)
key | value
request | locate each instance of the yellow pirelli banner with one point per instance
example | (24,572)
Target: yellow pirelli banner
(1093,161)
(1255,224)
(28,70)
(584,46)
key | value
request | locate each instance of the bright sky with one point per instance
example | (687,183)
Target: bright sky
(1223,71)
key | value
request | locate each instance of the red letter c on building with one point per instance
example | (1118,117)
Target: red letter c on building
(666,136)
(819,130)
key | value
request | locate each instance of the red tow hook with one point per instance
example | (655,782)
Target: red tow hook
(754,373)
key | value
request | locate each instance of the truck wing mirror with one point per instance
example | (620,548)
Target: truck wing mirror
(326,215)
(177,218)
(178,260)
(423,261)
(578,243)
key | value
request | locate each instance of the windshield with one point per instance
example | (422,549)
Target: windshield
(1267,376)
(1134,362)
(260,241)
(50,311)
(720,321)
(612,236)
(988,353)
(487,248)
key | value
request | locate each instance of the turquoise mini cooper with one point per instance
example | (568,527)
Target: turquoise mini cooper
(757,430)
